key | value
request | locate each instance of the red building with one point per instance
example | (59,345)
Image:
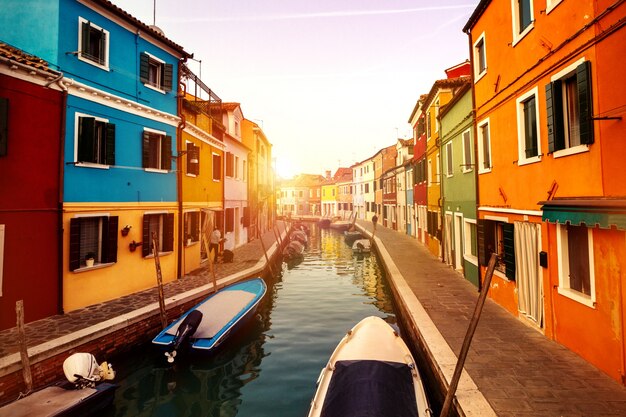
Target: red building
(420,194)
(30,165)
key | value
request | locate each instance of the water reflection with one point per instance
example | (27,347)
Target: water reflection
(270,367)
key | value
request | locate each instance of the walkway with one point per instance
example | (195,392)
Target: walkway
(517,369)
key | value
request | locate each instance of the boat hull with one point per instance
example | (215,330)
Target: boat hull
(371,369)
(223,313)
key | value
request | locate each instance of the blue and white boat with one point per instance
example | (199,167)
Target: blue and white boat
(209,323)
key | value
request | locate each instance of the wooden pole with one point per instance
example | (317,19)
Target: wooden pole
(264,250)
(157,264)
(468,337)
(21,336)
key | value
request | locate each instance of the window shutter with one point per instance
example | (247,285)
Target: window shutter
(146,244)
(4,125)
(144,67)
(110,250)
(585,102)
(166,161)
(509,249)
(110,144)
(168,232)
(74,244)
(246,217)
(168,72)
(554,106)
(86,132)
(230,220)
(196,154)
(85,29)
(102,58)
(195,230)
(145,150)
(530,128)
(486,240)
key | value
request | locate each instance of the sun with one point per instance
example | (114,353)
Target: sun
(284,168)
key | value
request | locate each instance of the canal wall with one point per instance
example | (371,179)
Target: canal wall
(116,335)
(428,345)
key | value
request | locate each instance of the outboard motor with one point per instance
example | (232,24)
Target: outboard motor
(186,329)
(82,370)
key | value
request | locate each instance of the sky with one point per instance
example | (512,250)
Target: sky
(330,82)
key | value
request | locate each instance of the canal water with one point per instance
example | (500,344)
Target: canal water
(271,366)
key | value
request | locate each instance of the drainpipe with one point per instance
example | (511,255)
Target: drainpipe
(475,132)
(179,172)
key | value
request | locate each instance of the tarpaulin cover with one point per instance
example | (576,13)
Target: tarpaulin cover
(369,388)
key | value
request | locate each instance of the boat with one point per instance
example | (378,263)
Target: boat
(324,223)
(83,393)
(362,246)
(341,225)
(205,326)
(300,236)
(294,249)
(371,372)
(349,236)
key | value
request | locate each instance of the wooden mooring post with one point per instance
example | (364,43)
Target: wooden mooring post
(445,410)
(21,336)
(267,258)
(157,264)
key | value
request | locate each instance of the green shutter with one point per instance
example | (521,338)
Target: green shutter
(168,232)
(554,107)
(74,244)
(486,240)
(145,150)
(86,134)
(102,59)
(4,125)
(110,144)
(85,30)
(109,252)
(530,128)
(585,102)
(508,233)
(166,152)
(146,244)
(168,72)
(144,67)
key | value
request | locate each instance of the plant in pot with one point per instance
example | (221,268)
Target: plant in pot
(90,259)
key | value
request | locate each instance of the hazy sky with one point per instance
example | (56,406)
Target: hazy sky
(330,81)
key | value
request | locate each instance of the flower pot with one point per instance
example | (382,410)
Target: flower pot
(89,262)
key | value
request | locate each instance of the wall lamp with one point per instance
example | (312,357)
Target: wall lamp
(193,160)
(134,245)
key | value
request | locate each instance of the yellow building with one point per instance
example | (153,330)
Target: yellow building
(330,195)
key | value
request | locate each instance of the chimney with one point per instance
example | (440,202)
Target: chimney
(327,174)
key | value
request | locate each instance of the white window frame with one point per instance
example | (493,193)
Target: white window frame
(563,266)
(479,143)
(467,165)
(551,5)
(79,55)
(477,73)
(467,241)
(517,35)
(449,160)
(438,172)
(430,172)
(437,115)
(213,155)
(158,87)
(77,117)
(521,128)
(163,135)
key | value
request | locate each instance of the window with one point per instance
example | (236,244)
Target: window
(230,220)
(430,172)
(193,159)
(217,167)
(367,188)
(157,150)
(192,227)
(470,241)
(438,171)
(570,113)
(484,147)
(4,125)
(527,128)
(480,57)
(551,4)
(467,151)
(437,121)
(497,237)
(161,226)
(230,165)
(95,141)
(428,127)
(522,18)
(575,257)
(236,173)
(92,237)
(155,73)
(449,162)
(93,44)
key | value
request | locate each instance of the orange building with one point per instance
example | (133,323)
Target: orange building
(550,134)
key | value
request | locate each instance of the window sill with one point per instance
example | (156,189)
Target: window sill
(94,63)
(552,5)
(155,88)
(466,171)
(191,175)
(518,38)
(577,296)
(570,151)
(484,171)
(502,275)
(156,170)
(188,245)
(151,256)
(91,165)
(471,259)
(528,161)
(477,77)
(91,268)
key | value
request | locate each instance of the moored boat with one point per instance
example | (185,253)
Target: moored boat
(349,236)
(362,246)
(371,372)
(341,225)
(205,326)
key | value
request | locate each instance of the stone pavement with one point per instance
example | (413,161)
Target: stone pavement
(54,327)
(517,369)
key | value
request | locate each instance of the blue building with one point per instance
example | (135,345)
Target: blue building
(120,81)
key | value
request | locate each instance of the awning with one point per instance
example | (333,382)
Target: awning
(601,212)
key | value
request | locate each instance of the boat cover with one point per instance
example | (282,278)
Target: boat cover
(370,388)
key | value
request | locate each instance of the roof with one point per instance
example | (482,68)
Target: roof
(457,96)
(476,15)
(230,106)
(445,83)
(406,142)
(152,30)
(419,102)
(17,55)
